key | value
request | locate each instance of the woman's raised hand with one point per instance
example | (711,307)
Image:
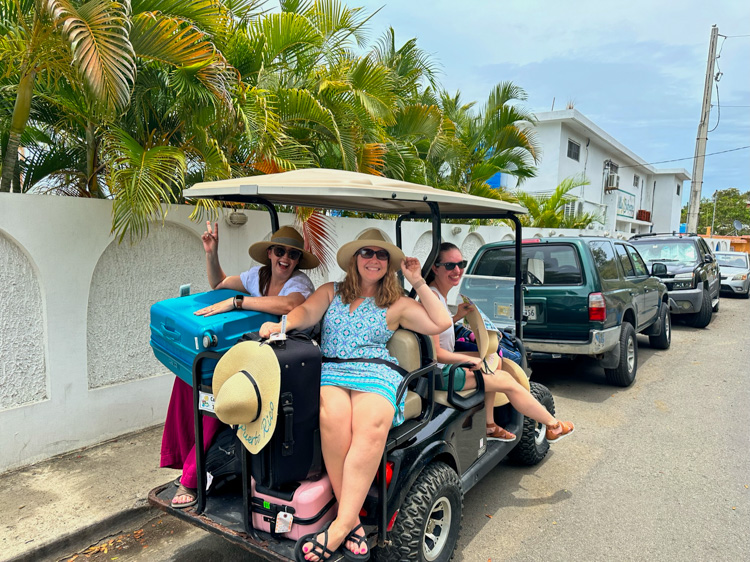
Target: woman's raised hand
(462,310)
(210,238)
(412,270)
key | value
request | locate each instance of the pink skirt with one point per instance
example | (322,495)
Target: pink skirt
(178,440)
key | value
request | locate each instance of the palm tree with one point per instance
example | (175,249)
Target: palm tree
(548,210)
(64,40)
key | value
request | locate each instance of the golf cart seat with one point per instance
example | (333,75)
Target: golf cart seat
(405,347)
(441,396)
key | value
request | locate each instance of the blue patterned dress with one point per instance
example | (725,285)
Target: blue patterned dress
(362,333)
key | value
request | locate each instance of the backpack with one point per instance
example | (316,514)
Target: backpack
(465,341)
(223,462)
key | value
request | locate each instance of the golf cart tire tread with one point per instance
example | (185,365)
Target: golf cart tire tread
(528,452)
(702,318)
(406,535)
(664,339)
(620,375)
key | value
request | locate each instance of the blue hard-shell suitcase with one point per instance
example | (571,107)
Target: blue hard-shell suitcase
(178,335)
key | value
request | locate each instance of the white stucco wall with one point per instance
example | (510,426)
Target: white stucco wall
(76,367)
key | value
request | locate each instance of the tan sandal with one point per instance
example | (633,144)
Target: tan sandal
(559,430)
(497,433)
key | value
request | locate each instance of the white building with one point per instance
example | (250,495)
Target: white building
(630,195)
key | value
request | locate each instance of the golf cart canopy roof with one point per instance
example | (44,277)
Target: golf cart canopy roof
(350,191)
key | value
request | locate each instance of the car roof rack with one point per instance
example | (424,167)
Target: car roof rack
(655,234)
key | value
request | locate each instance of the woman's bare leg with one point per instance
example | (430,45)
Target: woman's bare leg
(520,398)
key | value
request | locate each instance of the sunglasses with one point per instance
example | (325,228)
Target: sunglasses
(451,265)
(281,251)
(367,253)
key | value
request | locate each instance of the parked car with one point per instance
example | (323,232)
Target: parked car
(735,273)
(413,510)
(693,276)
(582,296)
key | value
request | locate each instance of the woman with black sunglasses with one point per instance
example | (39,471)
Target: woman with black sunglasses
(358,387)
(445,274)
(276,287)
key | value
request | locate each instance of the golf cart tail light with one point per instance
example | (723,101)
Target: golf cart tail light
(597,307)
(388,473)
(363,512)
(392,521)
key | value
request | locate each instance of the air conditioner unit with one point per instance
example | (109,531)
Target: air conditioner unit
(613,181)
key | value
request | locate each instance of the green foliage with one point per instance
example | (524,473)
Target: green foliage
(135,100)
(730,205)
(548,210)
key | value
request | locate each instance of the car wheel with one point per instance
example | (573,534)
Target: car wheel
(664,339)
(533,446)
(624,373)
(746,294)
(702,318)
(429,521)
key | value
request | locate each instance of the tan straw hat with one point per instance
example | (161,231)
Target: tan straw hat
(374,238)
(246,386)
(486,336)
(285,236)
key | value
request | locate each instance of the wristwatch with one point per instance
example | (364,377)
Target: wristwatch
(238,301)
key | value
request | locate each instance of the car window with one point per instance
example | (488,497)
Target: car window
(703,247)
(640,267)
(627,266)
(731,260)
(677,251)
(604,258)
(561,263)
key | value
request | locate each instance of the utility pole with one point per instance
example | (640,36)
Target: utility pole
(694,203)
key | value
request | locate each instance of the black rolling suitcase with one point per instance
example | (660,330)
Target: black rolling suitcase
(293,453)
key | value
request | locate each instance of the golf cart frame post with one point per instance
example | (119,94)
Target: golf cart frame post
(355,192)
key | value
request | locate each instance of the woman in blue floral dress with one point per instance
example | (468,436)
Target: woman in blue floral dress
(358,399)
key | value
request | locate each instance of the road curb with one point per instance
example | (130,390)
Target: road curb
(77,540)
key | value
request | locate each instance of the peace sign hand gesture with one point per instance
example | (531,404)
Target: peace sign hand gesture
(210,238)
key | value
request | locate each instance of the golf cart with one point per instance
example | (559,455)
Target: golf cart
(414,508)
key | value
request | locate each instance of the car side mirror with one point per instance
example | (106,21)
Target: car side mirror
(708,258)
(658,269)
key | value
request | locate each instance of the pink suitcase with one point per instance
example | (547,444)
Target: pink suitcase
(311,505)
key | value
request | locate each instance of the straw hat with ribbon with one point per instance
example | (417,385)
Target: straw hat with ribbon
(488,339)
(374,238)
(246,386)
(285,236)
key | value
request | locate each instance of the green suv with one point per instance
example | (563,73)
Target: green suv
(581,296)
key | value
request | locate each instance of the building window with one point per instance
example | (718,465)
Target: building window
(570,210)
(678,189)
(636,180)
(574,150)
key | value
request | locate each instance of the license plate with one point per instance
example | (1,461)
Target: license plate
(530,312)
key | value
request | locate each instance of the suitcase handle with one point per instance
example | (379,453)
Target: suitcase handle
(287,407)
(170,334)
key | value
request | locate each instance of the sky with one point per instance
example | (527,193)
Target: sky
(637,69)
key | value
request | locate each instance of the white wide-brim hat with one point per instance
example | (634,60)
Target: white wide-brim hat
(246,386)
(370,237)
(285,236)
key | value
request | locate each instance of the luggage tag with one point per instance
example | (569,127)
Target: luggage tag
(283,522)
(279,336)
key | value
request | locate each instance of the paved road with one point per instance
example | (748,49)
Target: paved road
(658,471)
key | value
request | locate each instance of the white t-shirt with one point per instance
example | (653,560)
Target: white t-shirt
(448,337)
(298,283)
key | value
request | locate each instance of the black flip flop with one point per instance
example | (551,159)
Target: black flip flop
(320,550)
(355,538)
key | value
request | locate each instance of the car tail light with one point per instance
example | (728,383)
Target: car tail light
(597,307)
(530,240)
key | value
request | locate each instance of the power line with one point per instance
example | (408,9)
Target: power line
(688,158)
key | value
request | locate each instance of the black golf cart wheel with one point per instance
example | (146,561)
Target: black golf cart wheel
(624,373)
(533,446)
(664,339)
(702,318)
(429,521)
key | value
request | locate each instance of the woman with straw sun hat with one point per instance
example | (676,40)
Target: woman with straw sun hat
(276,287)
(358,397)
